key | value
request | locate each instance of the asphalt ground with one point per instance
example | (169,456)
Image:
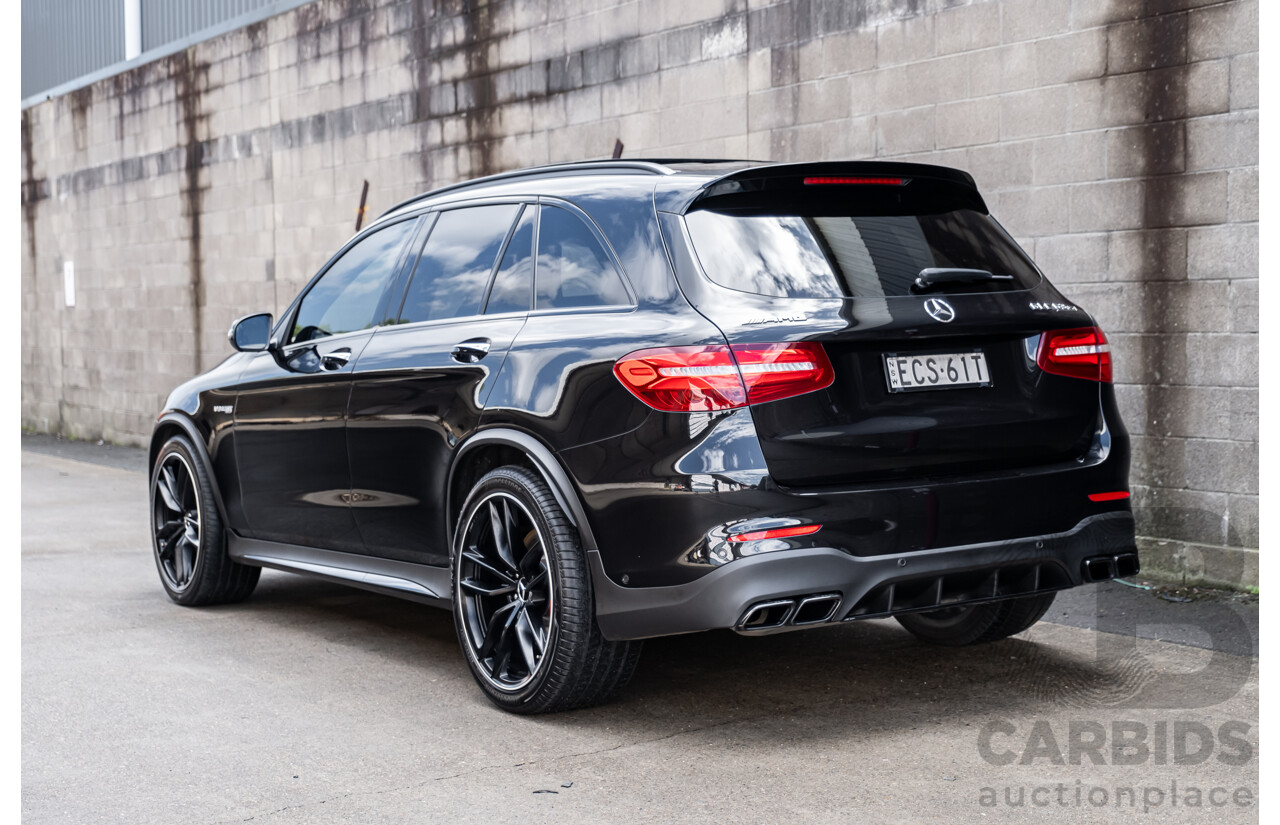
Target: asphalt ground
(315,703)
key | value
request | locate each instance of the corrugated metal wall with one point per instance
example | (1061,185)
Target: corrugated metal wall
(164,21)
(64,39)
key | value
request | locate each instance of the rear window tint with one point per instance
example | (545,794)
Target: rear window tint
(573,268)
(824,256)
(513,285)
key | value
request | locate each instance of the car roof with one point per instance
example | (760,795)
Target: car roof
(687,167)
(682,179)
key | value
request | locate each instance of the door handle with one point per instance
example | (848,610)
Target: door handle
(337,359)
(471,351)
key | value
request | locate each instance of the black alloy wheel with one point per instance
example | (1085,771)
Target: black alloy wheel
(187,537)
(176,521)
(505,592)
(974,624)
(522,601)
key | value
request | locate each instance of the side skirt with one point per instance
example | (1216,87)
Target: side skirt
(404,580)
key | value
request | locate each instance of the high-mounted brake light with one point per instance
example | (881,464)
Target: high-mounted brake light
(778,533)
(1079,353)
(861,180)
(700,379)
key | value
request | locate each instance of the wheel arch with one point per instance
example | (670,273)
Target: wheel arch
(496,447)
(175,423)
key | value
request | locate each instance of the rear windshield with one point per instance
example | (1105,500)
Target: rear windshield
(825,256)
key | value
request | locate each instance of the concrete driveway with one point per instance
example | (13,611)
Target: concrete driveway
(314,703)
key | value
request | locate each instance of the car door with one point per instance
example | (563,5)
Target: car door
(421,384)
(290,442)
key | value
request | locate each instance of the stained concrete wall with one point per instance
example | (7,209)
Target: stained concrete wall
(1118,139)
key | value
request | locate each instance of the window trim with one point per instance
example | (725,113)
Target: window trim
(427,216)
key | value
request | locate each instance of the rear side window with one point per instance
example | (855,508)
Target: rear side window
(826,255)
(513,285)
(453,270)
(573,268)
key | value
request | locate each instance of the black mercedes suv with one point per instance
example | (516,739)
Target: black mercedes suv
(587,404)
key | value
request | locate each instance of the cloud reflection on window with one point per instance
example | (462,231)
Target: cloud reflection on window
(453,270)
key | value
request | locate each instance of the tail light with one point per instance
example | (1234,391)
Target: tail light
(698,379)
(777,533)
(1079,353)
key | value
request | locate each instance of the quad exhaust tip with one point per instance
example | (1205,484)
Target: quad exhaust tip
(1104,568)
(816,609)
(796,612)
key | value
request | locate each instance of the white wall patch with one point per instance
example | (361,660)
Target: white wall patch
(69,282)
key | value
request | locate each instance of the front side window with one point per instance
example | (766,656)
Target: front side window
(573,268)
(453,270)
(346,297)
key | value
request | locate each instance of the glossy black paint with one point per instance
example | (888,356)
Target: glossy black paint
(412,402)
(369,457)
(291,444)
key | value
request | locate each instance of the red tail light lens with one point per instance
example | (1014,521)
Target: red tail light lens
(1116,496)
(1079,353)
(683,379)
(778,533)
(773,371)
(698,379)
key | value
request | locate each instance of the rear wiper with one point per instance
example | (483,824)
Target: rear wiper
(932,276)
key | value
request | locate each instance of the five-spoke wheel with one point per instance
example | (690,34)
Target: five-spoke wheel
(523,604)
(505,591)
(176,519)
(186,532)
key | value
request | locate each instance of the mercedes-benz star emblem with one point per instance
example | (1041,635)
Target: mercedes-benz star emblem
(940,310)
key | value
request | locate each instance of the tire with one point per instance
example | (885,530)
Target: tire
(977,624)
(522,601)
(187,537)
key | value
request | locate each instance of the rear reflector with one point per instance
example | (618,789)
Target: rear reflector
(855,181)
(1116,496)
(698,379)
(1078,353)
(779,533)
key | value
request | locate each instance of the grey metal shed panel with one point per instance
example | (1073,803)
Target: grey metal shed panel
(164,21)
(64,39)
(67,44)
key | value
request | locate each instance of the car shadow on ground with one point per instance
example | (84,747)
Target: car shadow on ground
(869,673)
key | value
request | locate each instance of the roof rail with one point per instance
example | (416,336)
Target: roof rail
(638,166)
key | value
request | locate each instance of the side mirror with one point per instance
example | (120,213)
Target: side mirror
(251,333)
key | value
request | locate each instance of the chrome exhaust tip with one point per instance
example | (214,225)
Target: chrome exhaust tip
(767,615)
(1127,565)
(1099,568)
(816,609)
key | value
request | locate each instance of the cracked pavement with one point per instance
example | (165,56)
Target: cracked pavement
(315,703)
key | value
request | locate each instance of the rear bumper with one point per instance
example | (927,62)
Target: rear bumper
(867,587)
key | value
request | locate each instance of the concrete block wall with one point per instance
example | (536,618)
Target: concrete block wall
(1117,140)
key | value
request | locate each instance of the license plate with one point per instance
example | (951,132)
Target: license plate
(936,371)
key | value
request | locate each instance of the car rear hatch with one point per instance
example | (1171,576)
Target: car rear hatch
(931,315)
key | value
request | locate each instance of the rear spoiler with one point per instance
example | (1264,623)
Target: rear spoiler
(777,184)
